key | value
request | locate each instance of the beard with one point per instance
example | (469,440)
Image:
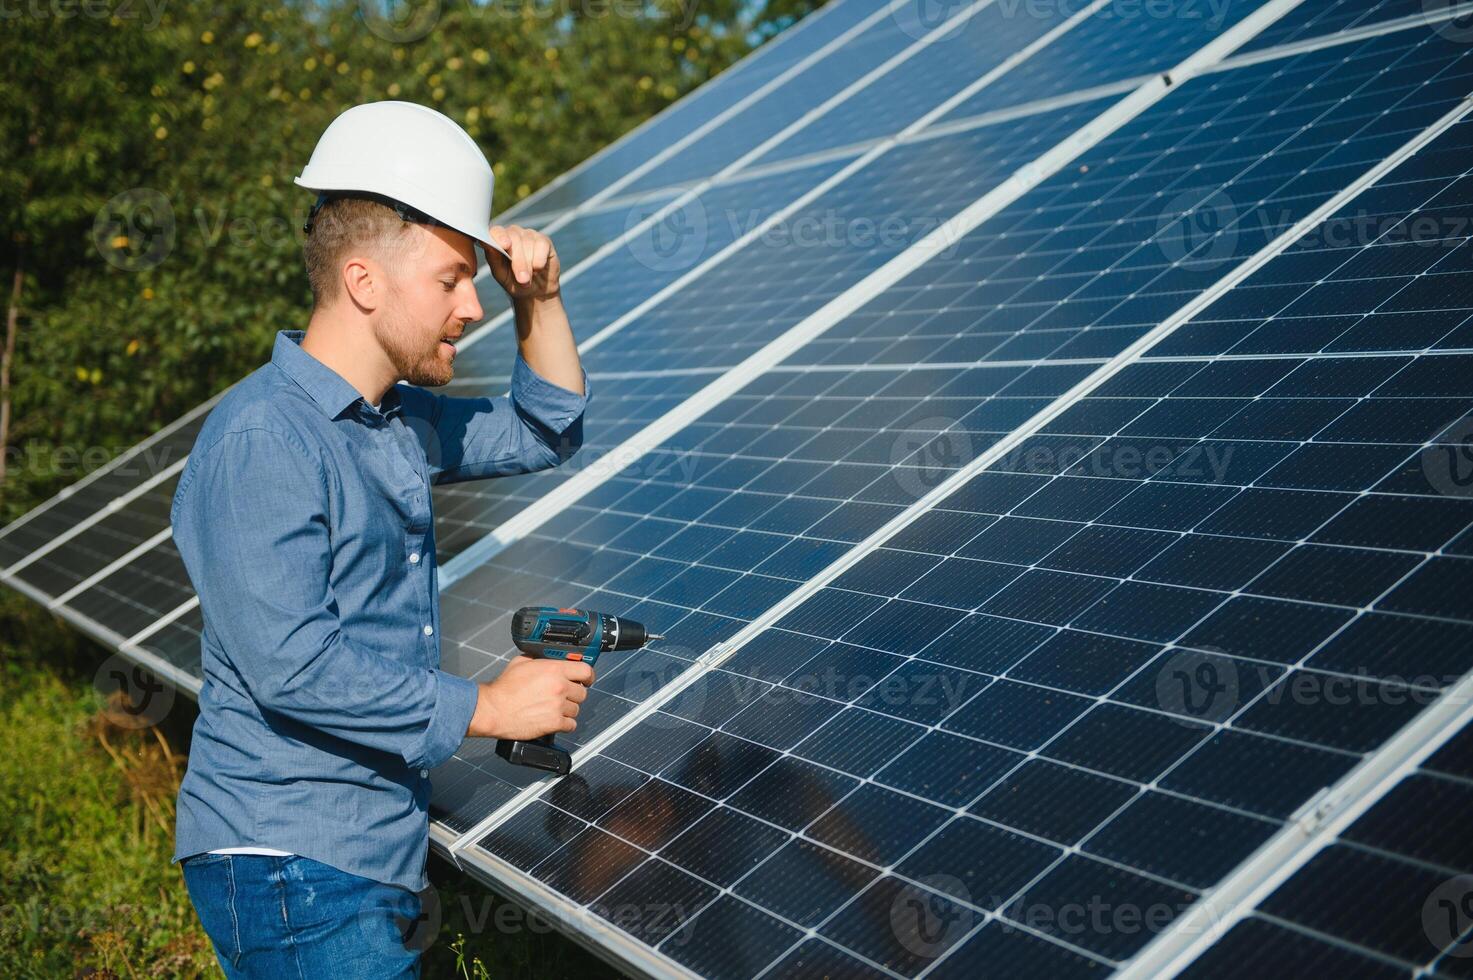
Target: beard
(416,356)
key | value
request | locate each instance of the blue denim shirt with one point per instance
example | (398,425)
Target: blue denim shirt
(303,517)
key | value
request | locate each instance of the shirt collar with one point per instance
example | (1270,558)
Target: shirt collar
(327,388)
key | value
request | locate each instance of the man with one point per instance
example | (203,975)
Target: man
(303,518)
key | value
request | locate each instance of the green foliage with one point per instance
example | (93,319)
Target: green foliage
(146,163)
(84,862)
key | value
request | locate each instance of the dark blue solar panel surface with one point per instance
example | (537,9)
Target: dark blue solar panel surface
(178,641)
(39,528)
(1390,897)
(852,62)
(707,102)
(1316,18)
(1189,179)
(995,675)
(77,558)
(563,562)
(586,233)
(138,593)
(834,241)
(1119,41)
(935,73)
(696,229)
(732,309)
(603,292)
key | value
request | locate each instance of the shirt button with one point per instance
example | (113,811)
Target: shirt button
(414,558)
(429,630)
(424,774)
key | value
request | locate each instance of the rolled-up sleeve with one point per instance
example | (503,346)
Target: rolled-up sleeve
(251,524)
(534,426)
(450,716)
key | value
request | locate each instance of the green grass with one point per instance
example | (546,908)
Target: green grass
(86,834)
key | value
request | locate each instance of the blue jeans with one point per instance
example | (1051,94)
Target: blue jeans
(292,918)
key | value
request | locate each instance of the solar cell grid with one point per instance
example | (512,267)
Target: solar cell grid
(137,594)
(704,104)
(836,239)
(679,241)
(733,308)
(1186,181)
(1059,717)
(177,640)
(979,43)
(1387,897)
(859,60)
(39,528)
(597,554)
(56,568)
(578,236)
(608,289)
(1118,41)
(1316,18)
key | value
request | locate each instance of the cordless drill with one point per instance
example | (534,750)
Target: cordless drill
(565,634)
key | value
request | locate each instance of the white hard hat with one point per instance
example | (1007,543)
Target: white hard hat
(411,155)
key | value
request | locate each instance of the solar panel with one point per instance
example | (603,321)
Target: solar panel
(86,557)
(897,192)
(853,62)
(132,597)
(791,763)
(764,68)
(1115,42)
(176,640)
(581,234)
(69,559)
(152,461)
(982,39)
(475,610)
(1387,897)
(614,285)
(1006,576)
(1315,18)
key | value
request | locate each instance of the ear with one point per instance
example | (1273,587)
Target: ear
(363,282)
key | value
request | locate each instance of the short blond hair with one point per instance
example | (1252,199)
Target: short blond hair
(341,227)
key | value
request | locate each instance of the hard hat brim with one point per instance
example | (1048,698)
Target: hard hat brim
(498,248)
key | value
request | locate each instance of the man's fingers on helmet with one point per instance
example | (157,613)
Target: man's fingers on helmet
(541,249)
(524,255)
(500,236)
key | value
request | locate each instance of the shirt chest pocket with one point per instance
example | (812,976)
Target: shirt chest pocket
(387,504)
(401,478)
